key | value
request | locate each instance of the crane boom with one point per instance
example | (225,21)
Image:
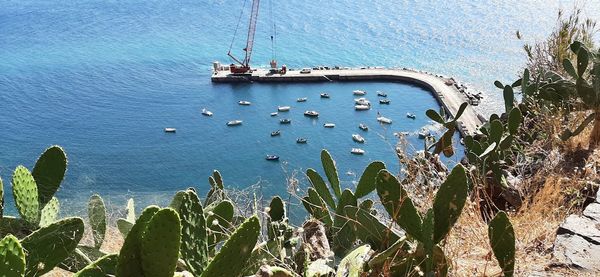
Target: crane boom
(244,65)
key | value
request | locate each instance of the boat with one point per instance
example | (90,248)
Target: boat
(358,138)
(384,120)
(384,101)
(424,133)
(206,112)
(275,133)
(381,93)
(283,108)
(244,103)
(234,122)
(303,99)
(329,125)
(170,130)
(359,92)
(401,134)
(362,101)
(301,140)
(272,158)
(285,121)
(357,151)
(362,107)
(311,113)
(274,114)
(324,95)
(411,115)
(363,127)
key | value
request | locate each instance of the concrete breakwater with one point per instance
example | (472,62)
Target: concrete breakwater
(447,94)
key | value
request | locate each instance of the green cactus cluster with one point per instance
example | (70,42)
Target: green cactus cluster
(444,144)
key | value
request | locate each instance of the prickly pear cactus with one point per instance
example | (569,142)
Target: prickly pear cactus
(50,245)
(194,240)
(130,210)
(276,209)
(236,251)
(97,216)
(366,184)
(514,120)
(353,265)
(124,224)
(397,203)
(369,229)
(25,193)
(105,266)
(49,172)
(274,271)
(177,199)
(218,179)
(218,218)
(343,236)
(12,257)
(319,185)
(502,240)
(315,205)
(130,260)
(331,172)
(160,243)
(49,213)
(449,202)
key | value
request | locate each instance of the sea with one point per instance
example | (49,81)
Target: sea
(104,78)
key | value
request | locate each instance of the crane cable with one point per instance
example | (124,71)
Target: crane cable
(237,26)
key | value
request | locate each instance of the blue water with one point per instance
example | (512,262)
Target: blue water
(103,78)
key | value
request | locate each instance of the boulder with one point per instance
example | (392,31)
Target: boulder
(583,226)
(575,251)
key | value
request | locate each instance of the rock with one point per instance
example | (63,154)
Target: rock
(315,239)
(593,211)
(582,226)
(575,251)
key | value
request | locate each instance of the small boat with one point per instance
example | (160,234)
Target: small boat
(362,101)
(244,103)
(272,158)
(384,120)
(301,140)
(362,107)
(357,151)
(381,93)
(303,99)
(411,115)
(285,121)
(170,130)
(324,95)
(283,108)
(274,114)
(311,113)
(329,125)
(384,101)
(358,138)
(234,123)
(363,127)
(401,134)
(424,133)
(275,133)
(359,92)
(206,112)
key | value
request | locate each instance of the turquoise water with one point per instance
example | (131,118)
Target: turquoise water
(103,78)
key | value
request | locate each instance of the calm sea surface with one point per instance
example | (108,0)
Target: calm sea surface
(103,78)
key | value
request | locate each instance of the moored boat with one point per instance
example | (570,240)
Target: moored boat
(381,93)
(362,101)
(206,112)
(363,127)
(384,101)
(411,115)
(272,158)
(274,114)
(359,92)
(357,151)
(244,103)
(358,138)
(302,99)
(170,130)
(285,121)
(283,108)
(329,125)
(276,133)
(311,113)
(384,120)
(302,140)
(324,95)
(234,122)
(362,107)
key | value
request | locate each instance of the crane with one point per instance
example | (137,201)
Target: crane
(243,66)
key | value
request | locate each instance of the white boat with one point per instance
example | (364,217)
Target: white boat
(362,101)
(311,113)
(359,92)
(324,95)
(381,93)
(362,107)
(274,114)
(244,103)
(283,108)
(384,120)
(358,138)
(384,101)
(363,127)
(411,115)
(272,157)
(303,99)
(170,130)
(357,151)
(285,121)
(329,125)
(302,140)
(234,122)
(206,112)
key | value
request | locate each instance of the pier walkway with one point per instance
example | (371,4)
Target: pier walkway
(443,89)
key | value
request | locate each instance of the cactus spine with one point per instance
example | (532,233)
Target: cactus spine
(97,216)
(502,240)
(12,257)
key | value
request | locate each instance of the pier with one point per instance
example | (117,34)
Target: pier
(445,90)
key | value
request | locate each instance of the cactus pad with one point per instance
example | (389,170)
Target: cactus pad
(105,266)
(343,235)
(397,203)
(353,264)
(49,213)
(315,205)
(236,251)
(97,216)
(331,172)
(514,120)
(130,263)
(177,199)
(130,210)
(319,185)
(369,229)
(50,245)
(124,226)
(366,184)
(218,179)
(219,220)
(194,240)
(49,172)
(25,193)
(449,202)
(160,244)
(12,257)
(502,240)
(276,209)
